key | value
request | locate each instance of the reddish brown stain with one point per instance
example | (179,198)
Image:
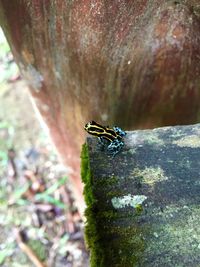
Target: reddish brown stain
(178,32)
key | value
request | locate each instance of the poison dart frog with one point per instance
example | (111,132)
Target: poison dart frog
(110,138)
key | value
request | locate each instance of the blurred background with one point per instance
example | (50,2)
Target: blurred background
(39,222)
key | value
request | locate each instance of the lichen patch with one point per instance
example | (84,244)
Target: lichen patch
(150,175)
(153,138)
(188,141)
(145,137)
(128,200)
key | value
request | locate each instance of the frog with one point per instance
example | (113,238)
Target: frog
(109,138)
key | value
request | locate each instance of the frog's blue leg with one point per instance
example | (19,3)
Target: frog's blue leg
(115,147)
(119,131)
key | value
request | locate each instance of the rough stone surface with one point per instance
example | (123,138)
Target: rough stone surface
(145,207)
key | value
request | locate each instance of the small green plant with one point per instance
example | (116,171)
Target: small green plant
(47,197)
(6,250)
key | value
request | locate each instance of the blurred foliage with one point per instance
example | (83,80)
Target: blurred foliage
(38,248)
(8,68)
(6,250)
(4,47)
(23,135)
(6,130)
(47,197)
(12,214)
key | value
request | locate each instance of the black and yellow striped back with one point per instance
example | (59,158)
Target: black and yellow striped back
(98,130)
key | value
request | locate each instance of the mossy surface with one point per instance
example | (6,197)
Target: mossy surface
(112,239)
(92,236)
(143,207)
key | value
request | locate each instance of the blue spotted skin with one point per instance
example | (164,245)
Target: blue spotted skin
(115,147)
(109,138)
(119,131)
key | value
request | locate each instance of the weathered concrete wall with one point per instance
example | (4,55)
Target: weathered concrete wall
(144,204)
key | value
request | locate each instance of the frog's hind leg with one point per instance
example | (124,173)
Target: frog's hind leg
(115,147)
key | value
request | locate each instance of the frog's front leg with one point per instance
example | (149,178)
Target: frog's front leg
(119,131)
(115,147)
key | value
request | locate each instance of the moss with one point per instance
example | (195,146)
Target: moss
(115,193)
(139,209)
(108,214)
(85,169)
(86,176)
(114,238)
(92,235)
(124,245)
(106,181)
(176,228)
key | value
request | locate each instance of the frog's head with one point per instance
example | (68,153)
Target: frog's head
(88,126)
(93,128)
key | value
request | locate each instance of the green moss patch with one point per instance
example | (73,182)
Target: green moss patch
(92,235)
(114,238)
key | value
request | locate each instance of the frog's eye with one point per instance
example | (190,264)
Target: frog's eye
(87,126)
